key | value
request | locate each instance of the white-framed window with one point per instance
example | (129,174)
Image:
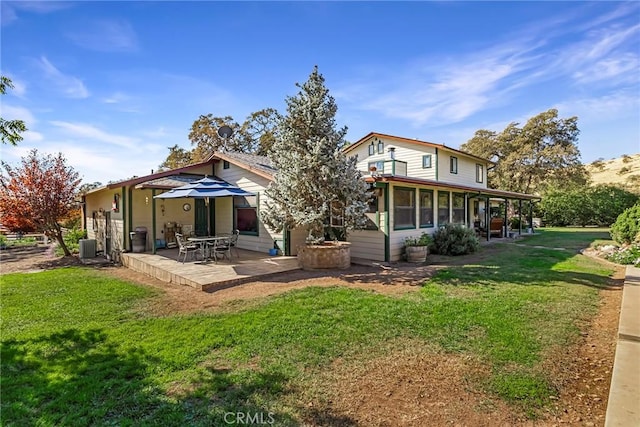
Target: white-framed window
(380,147)
(372,149)
(458,208)
(225,164)
(426,161)
(453,165)
(379,165)
(443,207)
(245,215)
(479,173)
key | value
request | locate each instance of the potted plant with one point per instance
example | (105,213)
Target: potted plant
(417,248)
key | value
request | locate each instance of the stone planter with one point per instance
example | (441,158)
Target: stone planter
(329,255)
(416,253)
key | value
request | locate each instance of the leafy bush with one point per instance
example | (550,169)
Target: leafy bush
(3,241)
(425,239)
(599,205)
(626,256)
(455,240)
(626,229)
(72,240)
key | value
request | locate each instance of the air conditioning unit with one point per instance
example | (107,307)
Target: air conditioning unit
(87,248)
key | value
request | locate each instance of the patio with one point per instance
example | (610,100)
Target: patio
(209,276)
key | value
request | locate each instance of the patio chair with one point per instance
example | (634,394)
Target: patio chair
(187,248)
(221,248)
(233,241)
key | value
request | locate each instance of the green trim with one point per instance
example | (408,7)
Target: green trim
(433,210)
(124,216)
(127,241)
(425,157)
(414,209)
(286,242)
(153,220)
(212,216)
(387,237)
(436,161)
(393,167)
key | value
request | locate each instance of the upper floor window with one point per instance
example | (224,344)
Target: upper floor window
(479,173)
(225,164)
(379,165)
(426,161)
(372,149)
(453,165)
(380,147)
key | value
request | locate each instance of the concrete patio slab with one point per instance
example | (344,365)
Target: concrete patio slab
(208,276)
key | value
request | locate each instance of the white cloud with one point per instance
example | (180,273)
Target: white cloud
(69,85)
(32,136)
(116,98)
(87,131)
(106,36)
(602,108)
(10,112)
(9,9)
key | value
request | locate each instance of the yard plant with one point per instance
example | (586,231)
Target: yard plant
(80,347)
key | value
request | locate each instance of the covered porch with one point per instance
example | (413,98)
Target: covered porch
(209,276)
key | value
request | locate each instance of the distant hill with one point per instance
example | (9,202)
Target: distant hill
(622,170)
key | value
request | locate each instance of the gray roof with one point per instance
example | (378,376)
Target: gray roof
(261,163)
(171,181)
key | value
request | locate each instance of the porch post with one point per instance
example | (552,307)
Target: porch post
(487,218)
(506,218)
(520,216)
(531,215)
(153,220)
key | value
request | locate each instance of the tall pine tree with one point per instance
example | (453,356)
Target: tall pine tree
(315,183)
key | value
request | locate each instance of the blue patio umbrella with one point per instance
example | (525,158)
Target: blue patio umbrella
(204,188)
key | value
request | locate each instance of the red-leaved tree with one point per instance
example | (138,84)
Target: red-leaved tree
(38,195)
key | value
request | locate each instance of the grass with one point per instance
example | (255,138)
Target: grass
(77,349)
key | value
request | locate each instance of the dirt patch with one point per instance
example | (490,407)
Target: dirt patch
(411,387)
(32,258)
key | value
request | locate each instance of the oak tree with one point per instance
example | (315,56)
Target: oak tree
(39,195)
(530,159)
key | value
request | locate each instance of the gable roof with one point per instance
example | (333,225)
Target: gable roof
(260,165)
(412,141)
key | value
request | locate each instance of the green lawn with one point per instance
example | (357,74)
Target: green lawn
(78,348)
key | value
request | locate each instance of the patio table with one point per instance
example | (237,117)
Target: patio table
(203,241)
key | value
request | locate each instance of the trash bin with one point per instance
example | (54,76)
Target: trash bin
(139,239)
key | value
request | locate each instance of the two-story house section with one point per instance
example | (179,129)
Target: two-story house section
(420,186)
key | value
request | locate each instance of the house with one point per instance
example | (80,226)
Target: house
(418,187)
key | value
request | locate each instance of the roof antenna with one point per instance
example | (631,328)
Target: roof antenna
(225,132)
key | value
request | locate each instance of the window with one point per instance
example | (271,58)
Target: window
(225,164)
(426,208)
(453,165)
(379,165)
(458,208)
(380,147)
(372,207)
(337,214)
(443,207)
(372,149)
(426,161)
(404,210)
(246,215)
(479,173)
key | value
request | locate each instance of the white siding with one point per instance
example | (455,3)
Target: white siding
(367,244)
(256,184)
(413,154)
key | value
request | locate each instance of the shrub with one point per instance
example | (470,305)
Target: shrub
(455,240)
(425,239)
(3,241)
(627,227)
(72,240)
(625,256)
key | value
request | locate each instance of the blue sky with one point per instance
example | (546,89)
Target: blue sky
(111,85)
